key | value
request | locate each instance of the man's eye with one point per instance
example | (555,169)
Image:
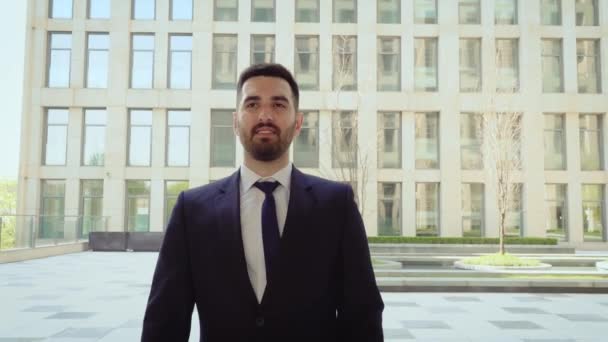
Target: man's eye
(280,105)
(251,105)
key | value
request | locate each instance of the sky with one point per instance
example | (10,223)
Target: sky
(12,36)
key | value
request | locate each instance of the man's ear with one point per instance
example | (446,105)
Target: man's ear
(235,123)
(299,121)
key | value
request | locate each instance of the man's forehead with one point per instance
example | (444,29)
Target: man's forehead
(257,84)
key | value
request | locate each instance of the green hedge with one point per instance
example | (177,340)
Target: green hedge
(462,240)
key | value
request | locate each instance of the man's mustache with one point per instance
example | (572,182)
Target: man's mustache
(268,125)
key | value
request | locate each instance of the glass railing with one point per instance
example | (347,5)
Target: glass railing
(30,231)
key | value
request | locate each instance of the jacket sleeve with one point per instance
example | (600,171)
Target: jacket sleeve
(360,305)
(169,310)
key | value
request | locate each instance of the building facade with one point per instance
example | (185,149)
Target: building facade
(127,103)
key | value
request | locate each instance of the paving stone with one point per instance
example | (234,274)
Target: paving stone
(446,310)
(397,333)
(45,308)
(71,315)
(584,317)
(96,332)
(516,325)
(401,304)
(462,299)
(525,310)
(425,325)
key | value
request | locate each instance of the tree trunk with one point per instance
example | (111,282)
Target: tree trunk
(501,235)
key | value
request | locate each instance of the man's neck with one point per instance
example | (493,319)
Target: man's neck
(265,168)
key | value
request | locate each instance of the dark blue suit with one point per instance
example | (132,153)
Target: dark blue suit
(323,288)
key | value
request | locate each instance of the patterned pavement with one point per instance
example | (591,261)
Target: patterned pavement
(102,296)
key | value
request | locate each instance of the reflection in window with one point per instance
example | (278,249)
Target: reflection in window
(427,209)
(555,142)
(99,9)
(389,136)
(389,209)
(552,65)
(388,11)
(590,141)
(140,137)
(389,64)
(172,190)
(144,9)
(223,143)
(91,208)
(138,205)
(507,65)
(56,136)
(307,62)
(427,140)
(262,49)
(307,11)
(52,209)
(181,10)
(471,138)
(344,145)
(469,12)
(425,11)
(470,65)
(226,10)
(224,61)
(345,62)
(59,56)
(178,138)
(588,65)
(345,11)
(98,45)
(180,61)
(556,224)
(551,12)
(262,10)
(425,68)
(472,210)
(586,12)
(142,61)
(593,214)
(514,219)
(306,145)
(505,12)
(60,9)
(93,153)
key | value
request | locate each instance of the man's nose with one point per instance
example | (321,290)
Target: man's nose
(265,114)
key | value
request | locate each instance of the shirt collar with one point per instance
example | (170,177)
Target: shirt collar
(248,177)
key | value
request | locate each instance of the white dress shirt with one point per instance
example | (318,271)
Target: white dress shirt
(251,202)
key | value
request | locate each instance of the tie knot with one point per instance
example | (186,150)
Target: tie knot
(267,187)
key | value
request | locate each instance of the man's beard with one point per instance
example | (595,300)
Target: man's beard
(265,150)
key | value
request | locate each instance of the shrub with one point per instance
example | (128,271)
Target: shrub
(461,240)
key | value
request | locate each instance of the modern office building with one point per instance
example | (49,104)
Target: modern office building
(127,103)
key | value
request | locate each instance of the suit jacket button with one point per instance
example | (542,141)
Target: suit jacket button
(259,322)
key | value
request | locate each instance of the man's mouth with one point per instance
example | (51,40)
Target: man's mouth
(265,131)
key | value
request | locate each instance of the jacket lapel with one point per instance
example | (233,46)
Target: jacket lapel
(229,227)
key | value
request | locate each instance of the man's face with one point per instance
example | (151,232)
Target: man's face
(266,121)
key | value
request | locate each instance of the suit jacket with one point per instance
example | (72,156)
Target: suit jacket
(323,288)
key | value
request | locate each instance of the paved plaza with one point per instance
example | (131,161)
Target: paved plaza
(96,296)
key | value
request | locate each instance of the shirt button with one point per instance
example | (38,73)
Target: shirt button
(259,322)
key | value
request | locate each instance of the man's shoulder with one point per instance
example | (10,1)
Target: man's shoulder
(205,191)
(324,184)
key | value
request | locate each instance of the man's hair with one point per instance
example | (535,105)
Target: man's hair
(268,70)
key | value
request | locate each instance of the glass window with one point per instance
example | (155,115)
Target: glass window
(180,61)
(59,56)
(306,145)
(262,49)
(472,210)
(388,11)
(427,209)
(91,207)
(593,213)
(389,209)
(345,11)
(138,205)
(99,9)
(178,138)
(555,142)
(142,61)
(307,62)
(262,10)
(505,12)
(551,12)
(588,65)
(389,136)
(52,209)
(345,62)
(224,61)
(514,219)
(471,139)
(470,65)
(226,10)
(140,137)
(591,141)
(98,45)
(172,191)
(56,136)
(93,151)
(469,12)
(556,223)
(307,11)
(586,12)
(425,68)
(344,151)
(427,140)
(552,66)
(60,9)
(223,141)
(389,64)
(144,9)
(507,65)
(425,11)
(181,10)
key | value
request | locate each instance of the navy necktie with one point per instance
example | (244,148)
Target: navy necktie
(270,225)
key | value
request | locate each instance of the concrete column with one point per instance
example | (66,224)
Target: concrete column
(575,215)
(408,183)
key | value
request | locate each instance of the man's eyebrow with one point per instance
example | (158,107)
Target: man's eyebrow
(280,98)
(252,98)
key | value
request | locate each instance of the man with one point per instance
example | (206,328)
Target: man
(268,253)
